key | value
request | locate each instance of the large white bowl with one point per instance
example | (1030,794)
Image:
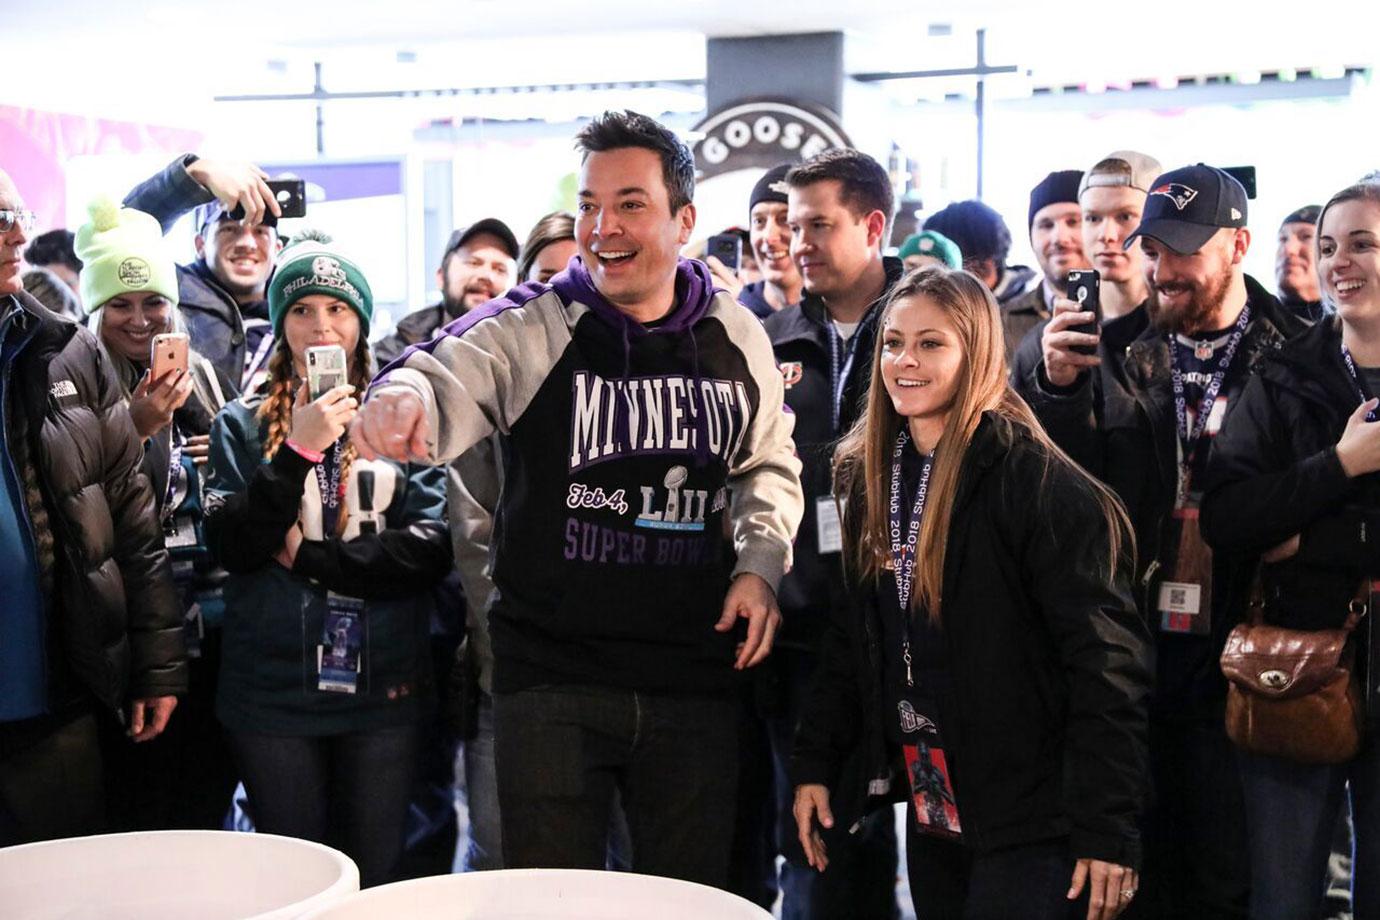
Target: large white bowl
(542,894)
(172,875)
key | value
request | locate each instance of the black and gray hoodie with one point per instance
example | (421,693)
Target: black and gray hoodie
(623,445)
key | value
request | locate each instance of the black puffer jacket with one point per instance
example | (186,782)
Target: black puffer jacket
(1130,443)
(800,341)
(1050,667)
(115,624)
(1274,473)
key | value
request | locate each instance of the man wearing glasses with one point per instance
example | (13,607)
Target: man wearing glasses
(89,616)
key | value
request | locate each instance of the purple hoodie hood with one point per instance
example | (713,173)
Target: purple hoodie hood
(694,294)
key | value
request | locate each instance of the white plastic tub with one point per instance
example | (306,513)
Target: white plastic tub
(542,894)
(172,875)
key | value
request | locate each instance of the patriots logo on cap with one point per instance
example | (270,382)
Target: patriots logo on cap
(780,187)
(1176,192)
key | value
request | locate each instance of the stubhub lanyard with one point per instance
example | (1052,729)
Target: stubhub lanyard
(903,555)
(1188,439)
(1356,380)
(331,488)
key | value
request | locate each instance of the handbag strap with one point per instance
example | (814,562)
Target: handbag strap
(1357,608)
(1360,604)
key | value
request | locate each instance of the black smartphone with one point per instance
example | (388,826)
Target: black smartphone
(1083,290)
(291,195)
(727,248)
(1245,175)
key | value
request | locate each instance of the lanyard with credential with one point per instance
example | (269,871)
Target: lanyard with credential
(903,555)
(177,478)
(1188,439)
(328,480)
(1356,380)
(840,366)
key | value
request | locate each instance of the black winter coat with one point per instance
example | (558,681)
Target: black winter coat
(417,326)
(114,617)
(1130,443)
(800,340)
(1050,666)
(1274,473)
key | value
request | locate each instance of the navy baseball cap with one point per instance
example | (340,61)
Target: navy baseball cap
(214,212)
(1187,206)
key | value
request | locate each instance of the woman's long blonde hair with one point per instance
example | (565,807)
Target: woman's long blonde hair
(862,461)
(282,384)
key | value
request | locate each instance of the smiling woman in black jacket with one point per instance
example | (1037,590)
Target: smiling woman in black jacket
(1292,479)
(992,654)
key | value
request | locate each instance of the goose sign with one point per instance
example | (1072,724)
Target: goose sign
(762,133)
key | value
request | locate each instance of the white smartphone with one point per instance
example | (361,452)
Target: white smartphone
(325,369)
(168,354)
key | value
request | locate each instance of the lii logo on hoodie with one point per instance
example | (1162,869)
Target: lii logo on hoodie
(666,414)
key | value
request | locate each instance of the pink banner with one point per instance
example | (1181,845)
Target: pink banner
(35,147)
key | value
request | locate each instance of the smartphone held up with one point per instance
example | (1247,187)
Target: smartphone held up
(325,370)
(1083,289)
(167,355)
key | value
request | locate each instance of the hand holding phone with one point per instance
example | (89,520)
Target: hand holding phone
(325,370)
(1083,288)
(168,354)
(727,248)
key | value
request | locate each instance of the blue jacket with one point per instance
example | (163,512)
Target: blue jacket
(274,617)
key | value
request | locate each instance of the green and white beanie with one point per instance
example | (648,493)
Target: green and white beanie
(310,264)
(122,252)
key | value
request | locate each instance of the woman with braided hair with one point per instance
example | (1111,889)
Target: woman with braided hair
(325,674)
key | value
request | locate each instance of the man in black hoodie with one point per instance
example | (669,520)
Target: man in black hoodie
(221,294)
(642,419)
(839,206)
(1211,325)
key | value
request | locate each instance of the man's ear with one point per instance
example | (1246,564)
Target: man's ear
(686,217)
(200,243)
(1240,246)
(876,229)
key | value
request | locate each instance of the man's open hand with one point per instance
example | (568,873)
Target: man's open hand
(752,598)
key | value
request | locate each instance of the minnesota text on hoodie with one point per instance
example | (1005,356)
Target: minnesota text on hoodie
(623,445)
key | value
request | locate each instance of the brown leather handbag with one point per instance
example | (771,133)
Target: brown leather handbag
(1292,693)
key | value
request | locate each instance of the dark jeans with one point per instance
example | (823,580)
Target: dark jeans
(346,791)
(1196,862)
(51,786)
(1291,814)
(432,830)
(184,778)
(949,882)
(561,751)
(860,883)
